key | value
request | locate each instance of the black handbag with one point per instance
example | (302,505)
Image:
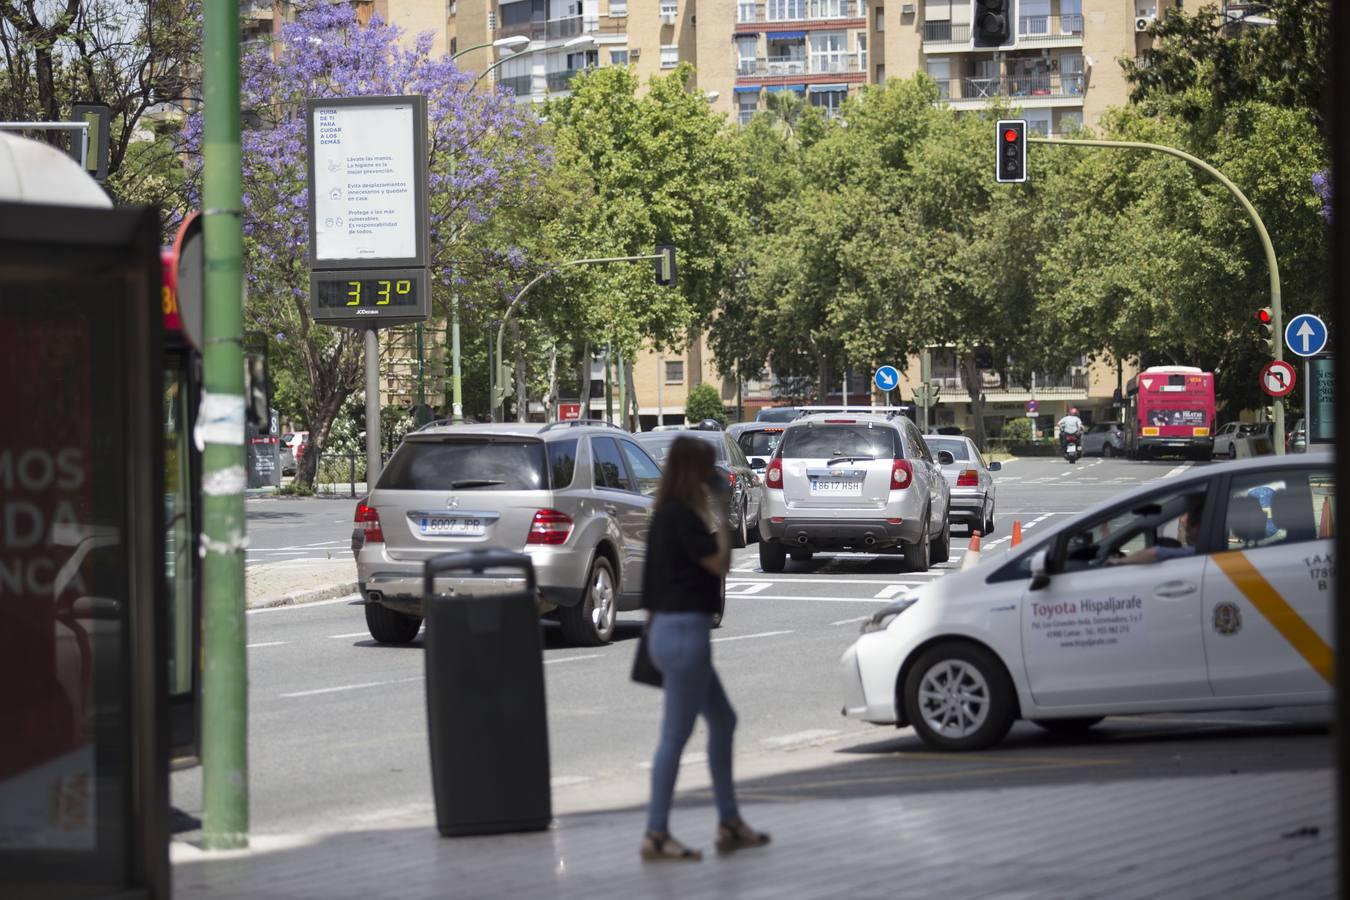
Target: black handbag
(644,670)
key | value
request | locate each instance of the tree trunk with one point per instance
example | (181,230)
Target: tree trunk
(635,423)
(522,403)
(584,380)
(972,378)
(551,398)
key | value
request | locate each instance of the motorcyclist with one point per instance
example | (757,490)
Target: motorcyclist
(1068,425)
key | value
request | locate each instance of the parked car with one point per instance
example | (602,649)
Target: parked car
(1227,437)
(298,443)
(574,496)
(757,441)
(1104,439)
(743,501)
(854,482)
(778,414)
(1296,439)
(971,480)
(1054,632)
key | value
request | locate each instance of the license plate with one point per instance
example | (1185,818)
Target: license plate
(833,487)
(451,526)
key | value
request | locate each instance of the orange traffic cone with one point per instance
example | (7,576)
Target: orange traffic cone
(972,555)
(1326,528)
(1017,532)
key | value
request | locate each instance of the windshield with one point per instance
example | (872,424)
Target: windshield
(831,441)
(477,463)
(658,443)
(761,443)
(959,450)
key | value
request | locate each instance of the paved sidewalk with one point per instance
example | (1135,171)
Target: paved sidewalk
(287,583)
(863,827)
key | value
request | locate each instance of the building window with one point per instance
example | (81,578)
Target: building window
(862,52)
(746,106)
(1069,122)
(669,10)
(618,57)
(881,73)
(881,18)
(829,51)
(746,50)
(674,371)
(829,101)
(618,8)
(747,11)
(454,46)
(786,10)
(670,55)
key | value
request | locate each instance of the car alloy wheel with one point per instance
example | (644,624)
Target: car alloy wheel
(954,699)
(742,538)
(602,602)
(1232,451)
(590,621)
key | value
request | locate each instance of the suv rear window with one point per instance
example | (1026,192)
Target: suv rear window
(829,441)
(468,463)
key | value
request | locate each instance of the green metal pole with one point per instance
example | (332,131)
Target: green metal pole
(225,677)
(623,389)
(1273,266)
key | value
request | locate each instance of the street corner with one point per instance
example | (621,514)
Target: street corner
(294,583)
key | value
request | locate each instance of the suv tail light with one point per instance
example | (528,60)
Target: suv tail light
(773,476)
(968,478)
(368,520)
(902,474)
(549,527)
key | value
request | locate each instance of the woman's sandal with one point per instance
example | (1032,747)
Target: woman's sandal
(657,846)
(737,835)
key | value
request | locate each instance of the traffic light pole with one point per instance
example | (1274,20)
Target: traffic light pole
(1277,330)
(499,389)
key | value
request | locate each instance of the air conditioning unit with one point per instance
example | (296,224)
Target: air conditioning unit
(1142,22)
(635,53)
(907,9)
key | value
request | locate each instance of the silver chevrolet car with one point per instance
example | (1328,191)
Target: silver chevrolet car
(574,496)
(854,482)
(971,481)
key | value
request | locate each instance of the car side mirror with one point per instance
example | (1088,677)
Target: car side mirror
(996,466)
(758,462)
(945,458)
(1040,578)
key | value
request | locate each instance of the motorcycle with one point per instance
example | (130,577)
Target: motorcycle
(1073,447)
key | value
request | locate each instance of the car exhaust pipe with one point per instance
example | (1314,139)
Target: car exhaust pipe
(374,597)
(869,540)
(801,539)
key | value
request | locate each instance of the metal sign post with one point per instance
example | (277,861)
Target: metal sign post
(368,225)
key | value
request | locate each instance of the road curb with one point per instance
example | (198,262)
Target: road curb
(311,596)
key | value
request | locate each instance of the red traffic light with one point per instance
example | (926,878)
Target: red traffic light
(1264,316)
(1010,135)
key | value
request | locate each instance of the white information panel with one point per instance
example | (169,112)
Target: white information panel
(365,173)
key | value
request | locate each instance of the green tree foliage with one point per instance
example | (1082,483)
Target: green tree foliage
(702,403)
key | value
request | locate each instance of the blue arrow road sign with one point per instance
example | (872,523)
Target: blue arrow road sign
(1305,335)
(887,378)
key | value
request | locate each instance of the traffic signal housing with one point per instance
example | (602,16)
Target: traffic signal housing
(665,265)
(992,23)
(1010,149)
(1265,323)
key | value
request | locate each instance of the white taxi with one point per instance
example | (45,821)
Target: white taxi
(1210,590)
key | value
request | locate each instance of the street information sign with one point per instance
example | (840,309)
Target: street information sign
(368,210)
(1277,378)
(887,378)
(1305,335)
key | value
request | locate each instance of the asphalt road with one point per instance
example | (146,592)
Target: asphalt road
(287,529)
(337,722)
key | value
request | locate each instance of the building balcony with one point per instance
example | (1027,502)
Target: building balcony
(993,386)
(1033,32)
(562,79)
(1025,90)
(824,64)
(563,29)
(777,13)
(520,85)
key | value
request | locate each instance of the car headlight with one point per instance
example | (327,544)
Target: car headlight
(882,618)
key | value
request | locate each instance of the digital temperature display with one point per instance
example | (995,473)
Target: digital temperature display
(370,297)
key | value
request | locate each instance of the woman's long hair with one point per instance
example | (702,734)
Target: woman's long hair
(687,468)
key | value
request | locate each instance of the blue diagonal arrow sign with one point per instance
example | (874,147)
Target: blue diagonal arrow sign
(887,378)
(1305,335)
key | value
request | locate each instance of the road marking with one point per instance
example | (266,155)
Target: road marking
(563,659)
(742,588)
(854,619)
(266,644)
(890,591)
(330,544)
(1178,470)
(350,687)
(816,599)
(882,580)
(294,606)
(801,737)
(1283,617)
(746,637)
(559,781)
(333,637)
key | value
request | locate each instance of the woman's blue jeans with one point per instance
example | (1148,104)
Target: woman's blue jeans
(680,648)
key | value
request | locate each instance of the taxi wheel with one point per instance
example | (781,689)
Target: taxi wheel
(1067,726)
(772,556)
(958,697)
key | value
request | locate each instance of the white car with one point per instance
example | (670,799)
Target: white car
(1234,614)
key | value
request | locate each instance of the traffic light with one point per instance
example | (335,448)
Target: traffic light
(992,23)
(665,265)
(1265,321)
(1010,148)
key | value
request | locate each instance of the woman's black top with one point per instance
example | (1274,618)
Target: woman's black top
(674,581)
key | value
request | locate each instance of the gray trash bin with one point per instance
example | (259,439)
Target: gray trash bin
(486,715)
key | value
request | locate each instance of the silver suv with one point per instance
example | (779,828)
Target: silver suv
(858,482)
(574,496)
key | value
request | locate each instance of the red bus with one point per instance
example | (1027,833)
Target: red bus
(1170,410)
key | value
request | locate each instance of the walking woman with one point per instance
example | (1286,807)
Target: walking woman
(688,554)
